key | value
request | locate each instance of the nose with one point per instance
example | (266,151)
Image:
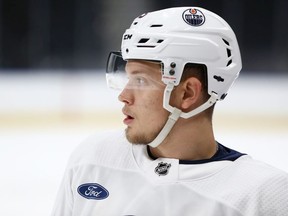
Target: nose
(126,96)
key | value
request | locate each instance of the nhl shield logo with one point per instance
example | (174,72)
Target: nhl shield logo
(162,168)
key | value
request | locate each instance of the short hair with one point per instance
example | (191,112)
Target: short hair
(198,71)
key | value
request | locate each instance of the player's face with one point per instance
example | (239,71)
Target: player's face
(142,98)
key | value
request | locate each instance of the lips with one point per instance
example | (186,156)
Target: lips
(128,120)
(128,117)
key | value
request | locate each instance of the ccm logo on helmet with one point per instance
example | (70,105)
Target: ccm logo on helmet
(127,36)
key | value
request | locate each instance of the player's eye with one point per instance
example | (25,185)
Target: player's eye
(137,81)
(140,81)
(143,82)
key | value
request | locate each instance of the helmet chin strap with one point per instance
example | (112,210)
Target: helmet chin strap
(176,113)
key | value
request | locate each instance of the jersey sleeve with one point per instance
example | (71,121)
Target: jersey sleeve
(275,196)
(64,201)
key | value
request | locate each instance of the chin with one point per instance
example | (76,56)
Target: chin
(142,136)
(137,138)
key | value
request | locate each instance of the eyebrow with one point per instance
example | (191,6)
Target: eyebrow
(139,70)
(136,72)
(133,72)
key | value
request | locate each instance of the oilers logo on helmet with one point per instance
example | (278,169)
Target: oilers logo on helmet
(193,17)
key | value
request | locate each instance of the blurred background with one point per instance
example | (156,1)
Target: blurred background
(53,91)
(76,34)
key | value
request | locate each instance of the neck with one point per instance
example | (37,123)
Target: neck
(191,139)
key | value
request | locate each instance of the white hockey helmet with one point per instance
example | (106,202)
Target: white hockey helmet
(175,37)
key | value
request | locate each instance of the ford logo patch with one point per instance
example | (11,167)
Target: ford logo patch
(93,191)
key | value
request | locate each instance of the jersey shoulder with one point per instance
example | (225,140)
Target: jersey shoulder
(260,174)
(110,149)
(264,184)
(259,168)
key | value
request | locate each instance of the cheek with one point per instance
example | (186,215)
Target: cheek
(154,102)
(150,105)
(156,110)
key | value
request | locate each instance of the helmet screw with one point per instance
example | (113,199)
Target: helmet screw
(173,65)
(172,72)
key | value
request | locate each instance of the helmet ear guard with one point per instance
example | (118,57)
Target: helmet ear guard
(172,70)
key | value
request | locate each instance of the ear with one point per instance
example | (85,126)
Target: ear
(191,93)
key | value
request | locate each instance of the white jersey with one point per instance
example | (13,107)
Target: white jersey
(111,177)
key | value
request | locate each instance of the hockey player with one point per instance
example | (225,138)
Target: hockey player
(174,65)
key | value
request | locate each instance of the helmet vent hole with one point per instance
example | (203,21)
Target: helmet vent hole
(143,40)
(226,42)
(156,25)
(228,52)
(229,62)
(149,42)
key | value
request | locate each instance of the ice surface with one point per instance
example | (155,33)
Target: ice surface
(44,116)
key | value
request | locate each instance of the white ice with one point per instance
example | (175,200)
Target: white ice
(43,116)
